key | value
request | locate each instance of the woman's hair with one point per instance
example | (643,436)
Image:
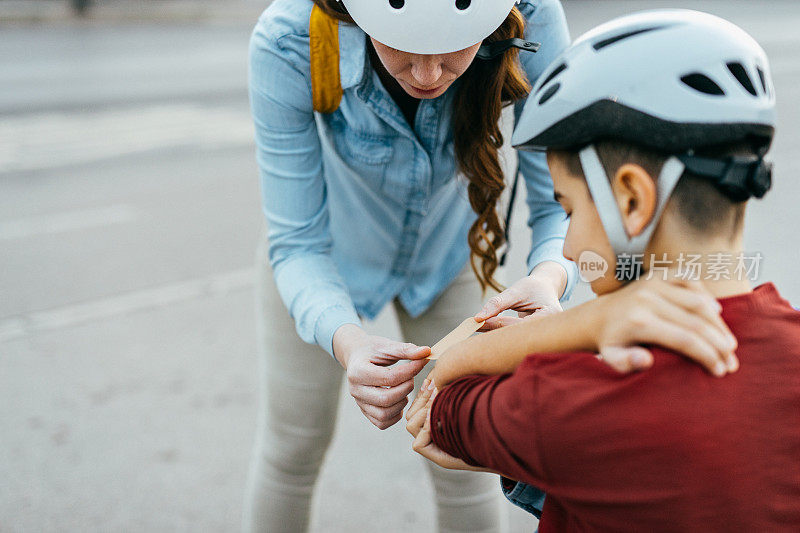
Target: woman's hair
(484,89)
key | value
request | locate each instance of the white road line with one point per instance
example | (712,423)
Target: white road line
(51,140)
(15,327)
(21,228)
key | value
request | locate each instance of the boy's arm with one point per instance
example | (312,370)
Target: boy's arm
(502,350)
(490,422)
(679,315)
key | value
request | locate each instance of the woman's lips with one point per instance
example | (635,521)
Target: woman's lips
(427,91)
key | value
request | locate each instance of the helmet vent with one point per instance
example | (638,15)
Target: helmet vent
(599,45)
(740,73)
(549,93)
(397,4)
(702,83)
(558,70)
(463,5)
(763,79)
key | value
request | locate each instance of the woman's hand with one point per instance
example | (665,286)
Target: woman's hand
(535,295)
(677,314)
(419,425)
(379,386)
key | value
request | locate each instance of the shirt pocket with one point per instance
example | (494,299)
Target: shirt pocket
(367,154)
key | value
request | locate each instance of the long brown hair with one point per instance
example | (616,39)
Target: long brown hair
(485,88)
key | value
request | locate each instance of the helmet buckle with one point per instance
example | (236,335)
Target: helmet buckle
(759,179)
(490,51)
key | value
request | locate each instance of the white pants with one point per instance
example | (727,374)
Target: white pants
(300,386)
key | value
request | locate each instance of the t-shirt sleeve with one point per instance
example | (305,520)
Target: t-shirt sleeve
(572,426)
(488,421)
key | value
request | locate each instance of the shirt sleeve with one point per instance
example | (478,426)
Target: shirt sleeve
(293,192)
(487,421)
(547,220)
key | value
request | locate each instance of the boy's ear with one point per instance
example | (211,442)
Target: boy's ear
(636,195)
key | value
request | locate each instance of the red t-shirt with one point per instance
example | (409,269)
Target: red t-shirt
(668,449)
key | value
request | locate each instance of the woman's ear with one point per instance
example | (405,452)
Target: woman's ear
(636,195)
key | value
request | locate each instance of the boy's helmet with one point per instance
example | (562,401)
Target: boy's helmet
(429,26)
(669,80)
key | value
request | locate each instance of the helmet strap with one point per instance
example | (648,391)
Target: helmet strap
(603,196)
(489,51)
(739,177)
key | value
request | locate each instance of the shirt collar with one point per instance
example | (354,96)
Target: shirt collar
(352,55)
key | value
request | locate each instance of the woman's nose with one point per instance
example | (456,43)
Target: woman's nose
(426,71)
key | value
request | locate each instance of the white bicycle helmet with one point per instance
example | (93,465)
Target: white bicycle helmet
(429,26)
(670,80)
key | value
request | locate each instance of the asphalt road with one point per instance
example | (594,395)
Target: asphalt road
(129,216)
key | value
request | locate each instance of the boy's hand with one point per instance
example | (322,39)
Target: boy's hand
(680,315)
(533,296)
(419,425)
(423,398)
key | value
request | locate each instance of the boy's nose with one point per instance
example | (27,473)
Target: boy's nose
(426,71)
(567,253)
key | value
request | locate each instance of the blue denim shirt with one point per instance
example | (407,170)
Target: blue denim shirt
(524,496)
(361,207)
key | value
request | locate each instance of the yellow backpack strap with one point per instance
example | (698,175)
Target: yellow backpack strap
(326,84)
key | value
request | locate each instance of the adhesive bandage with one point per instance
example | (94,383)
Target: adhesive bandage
(461,333)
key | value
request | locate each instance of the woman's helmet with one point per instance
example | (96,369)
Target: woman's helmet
(670,80)
(429,26)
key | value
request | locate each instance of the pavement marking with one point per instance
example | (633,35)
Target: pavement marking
(51,140)
(22,228)
(15,327)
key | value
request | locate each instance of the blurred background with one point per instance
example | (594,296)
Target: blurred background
(129,217)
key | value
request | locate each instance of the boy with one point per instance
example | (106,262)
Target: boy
(656,126)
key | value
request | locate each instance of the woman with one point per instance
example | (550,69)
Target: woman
(364,207)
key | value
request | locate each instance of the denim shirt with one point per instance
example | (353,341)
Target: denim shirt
(524,496)
(361,207)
